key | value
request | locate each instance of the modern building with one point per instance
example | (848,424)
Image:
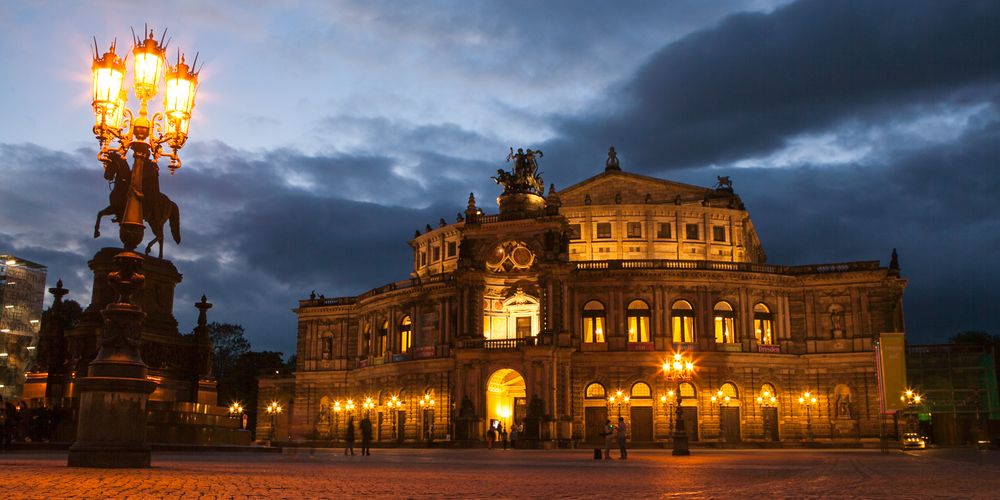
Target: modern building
(22,291)
(958,383)
(558,312)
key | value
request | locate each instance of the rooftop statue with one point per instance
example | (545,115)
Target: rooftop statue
(724,183)
(612,162)
(525,178)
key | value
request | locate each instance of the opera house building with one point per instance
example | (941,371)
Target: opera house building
(557,310)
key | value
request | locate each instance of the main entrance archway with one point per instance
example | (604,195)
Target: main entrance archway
(505,398)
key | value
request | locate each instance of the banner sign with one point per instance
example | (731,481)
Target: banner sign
(890,363)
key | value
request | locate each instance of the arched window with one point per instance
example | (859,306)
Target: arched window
(638,321)
(641,390)
(768,393)
(594,318)
(405,334)
(725,323)
(686,390)
(383,336)
(682,315)
(763,329)
(594,391)
(729,389)
(366,339)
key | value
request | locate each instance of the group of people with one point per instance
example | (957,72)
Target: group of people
(498,434)
(366,436)
(612,432)
(21,423)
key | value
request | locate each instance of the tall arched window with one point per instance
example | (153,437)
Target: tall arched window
(682,315)
(763,323)
(638,321)
(767,392)
(594,318)
(405,334)
(382,338)
(366,339)
(725,323)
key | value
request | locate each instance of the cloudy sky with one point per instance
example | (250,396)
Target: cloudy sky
(326,132)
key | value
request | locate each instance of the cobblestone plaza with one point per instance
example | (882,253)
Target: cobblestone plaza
(478,473)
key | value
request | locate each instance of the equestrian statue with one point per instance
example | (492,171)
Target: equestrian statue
(157,208)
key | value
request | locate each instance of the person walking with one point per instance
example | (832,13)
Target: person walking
(491,436)
(622,434)
(608,432)
(503,436)
(366,436)
(514,435)
(349,436)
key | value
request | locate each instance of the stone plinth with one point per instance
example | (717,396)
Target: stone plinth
(517,203)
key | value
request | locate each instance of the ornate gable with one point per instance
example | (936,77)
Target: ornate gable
(612,187)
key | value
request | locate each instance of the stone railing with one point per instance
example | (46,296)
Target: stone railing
(495,343)
(598,265)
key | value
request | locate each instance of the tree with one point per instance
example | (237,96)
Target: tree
(974,337)
(228,344)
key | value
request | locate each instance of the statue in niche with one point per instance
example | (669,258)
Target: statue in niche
(837,320)
(466,410)
(843,407)
(537,407)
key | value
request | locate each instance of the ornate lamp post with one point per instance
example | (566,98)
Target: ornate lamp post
(721,400)
(236,411)
(766,400)
(807,400)
(273,410)
(912,400)
(427,403)
(349,407)
(617,400)
(679,369)
(367,406)
(393,404)
(668,401)
(111,428)
(336,419)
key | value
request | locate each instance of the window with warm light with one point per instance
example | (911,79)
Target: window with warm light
(594,318)
(763,322)
(405,334)
(687,390)
(729,390)
(641,390)
(682,319)
(594,391)
(638,321)
(725,323)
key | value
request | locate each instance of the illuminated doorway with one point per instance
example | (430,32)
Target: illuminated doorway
(505,398)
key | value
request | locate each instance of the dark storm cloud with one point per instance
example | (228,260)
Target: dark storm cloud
(744,87)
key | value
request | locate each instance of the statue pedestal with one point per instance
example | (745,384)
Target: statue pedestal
(111,432)
(520,204)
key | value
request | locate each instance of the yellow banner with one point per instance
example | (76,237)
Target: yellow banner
(891,359)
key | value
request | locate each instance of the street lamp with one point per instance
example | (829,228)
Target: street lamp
(273,410)
(912,400)
(720,399)
(394,403)
(367,406)
(426,404)
(336,419)
(236,411)
(766,400)
(679,369)
(668,402)
(118,382)
(808,400)
(618,399)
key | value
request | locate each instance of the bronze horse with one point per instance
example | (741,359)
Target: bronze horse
(157,208)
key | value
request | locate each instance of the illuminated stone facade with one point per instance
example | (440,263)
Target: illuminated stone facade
(539,313)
